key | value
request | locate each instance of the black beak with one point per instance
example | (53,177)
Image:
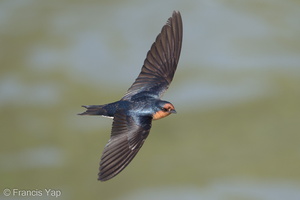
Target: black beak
(173,111)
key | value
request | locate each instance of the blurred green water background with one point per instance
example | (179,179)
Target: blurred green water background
(236,90)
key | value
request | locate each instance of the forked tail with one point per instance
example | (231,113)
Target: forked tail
(94,110)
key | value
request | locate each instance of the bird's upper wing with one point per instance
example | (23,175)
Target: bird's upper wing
(161,61)
(127,137)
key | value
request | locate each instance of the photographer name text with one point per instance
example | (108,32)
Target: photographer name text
(31,192)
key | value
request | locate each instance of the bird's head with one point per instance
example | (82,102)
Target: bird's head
(163,109)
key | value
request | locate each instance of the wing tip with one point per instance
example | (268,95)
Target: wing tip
(103,178)
(175,14)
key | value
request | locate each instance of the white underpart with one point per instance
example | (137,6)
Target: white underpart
(107,116)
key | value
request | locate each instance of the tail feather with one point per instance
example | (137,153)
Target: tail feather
(94,110)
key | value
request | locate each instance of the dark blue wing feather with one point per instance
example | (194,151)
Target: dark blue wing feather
(127,137)
(161,61)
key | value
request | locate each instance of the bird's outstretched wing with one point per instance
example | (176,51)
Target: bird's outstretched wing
(161,61)
(127,137)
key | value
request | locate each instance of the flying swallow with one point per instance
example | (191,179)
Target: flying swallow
(133,114)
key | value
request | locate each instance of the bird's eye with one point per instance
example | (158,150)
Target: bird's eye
(164,109)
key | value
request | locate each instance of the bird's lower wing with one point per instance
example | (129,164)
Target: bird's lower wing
(127,137)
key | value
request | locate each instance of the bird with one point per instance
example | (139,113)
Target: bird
(134,112)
